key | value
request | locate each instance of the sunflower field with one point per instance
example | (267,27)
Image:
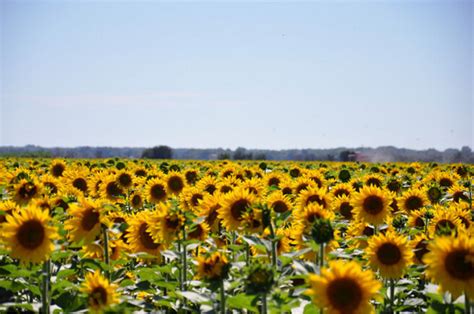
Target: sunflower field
(126,236)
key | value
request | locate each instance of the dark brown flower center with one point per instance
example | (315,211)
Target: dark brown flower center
(458,265)
(274,181)
(316,199)
(57,170)
(98,297)
(175,184)
(444,225)
(341,192)
(211,188)
(413,203)
(196,233)
(373,204)
(158,192)
(80,184)
(346,210)
(389,254)
(146,239)
(125,180)
(419,222)
(421,249)
(31,234)
(89,219)
(113,190)
(136,200)
(280,207)
(301,187)
(374,181)
(344,294)
(238,208)
(172,222)
(191,177)
(27,191)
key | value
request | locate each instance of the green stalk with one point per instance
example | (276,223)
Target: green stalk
(247,254)
(392,294)
(321,257)
(184,259)
(106,251)
(274,254)
(264,303)
(46,274)
(467,304)
(222,292)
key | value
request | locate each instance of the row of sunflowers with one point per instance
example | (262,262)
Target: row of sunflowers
(266,237)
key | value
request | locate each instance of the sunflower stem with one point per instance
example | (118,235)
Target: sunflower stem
(45,291)
(273,241)
(467,304)
(264,303)
(106,251)
(247,254)
(222,292)
(392,294)
(184,259)
(321,257)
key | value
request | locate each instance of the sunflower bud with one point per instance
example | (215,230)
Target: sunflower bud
(322,231)
(260,278)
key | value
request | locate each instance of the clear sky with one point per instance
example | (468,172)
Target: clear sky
(259,75)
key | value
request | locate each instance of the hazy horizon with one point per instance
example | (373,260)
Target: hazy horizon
(255,75)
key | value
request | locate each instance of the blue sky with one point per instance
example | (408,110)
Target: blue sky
(259,75)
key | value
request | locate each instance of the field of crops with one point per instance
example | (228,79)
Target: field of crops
(226,236)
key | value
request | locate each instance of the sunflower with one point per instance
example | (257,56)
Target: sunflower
(273,179)
(304,218)
(166,224)
(155,190)
(139,236)
(26,190)
(208,208)
(254,186)
(136,200)
(314,195)
(207,184)
(344,288)
(199,231)
(234,205)
(417,219)
(190,198)
(100,293)
(413,199)
(124,179)
(175,182)
(77,179)
(85,221)
(342,205)
(444,221)
(7,207)
(419,246)
(358,233)
(214,267)
(341,189)
(28,235)
(279,202)
(51,184)
(458,193)
(373,179)
(434,194)
(450,262)
(390,253)
(371,204)
(110,189)
(57,168)
(191,176)
(226,185)
(302,184)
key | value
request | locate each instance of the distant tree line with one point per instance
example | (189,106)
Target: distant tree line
(379,154)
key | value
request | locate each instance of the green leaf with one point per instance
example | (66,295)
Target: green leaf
(311,309)
(242,302)
(65,273)
(194,297)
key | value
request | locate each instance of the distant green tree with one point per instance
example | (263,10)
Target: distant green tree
(158,152)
